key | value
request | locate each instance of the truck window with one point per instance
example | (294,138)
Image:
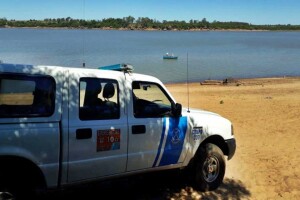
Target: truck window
(150,100)
(99,99)
(26,96)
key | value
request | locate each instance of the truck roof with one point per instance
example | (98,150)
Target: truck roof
(52,69)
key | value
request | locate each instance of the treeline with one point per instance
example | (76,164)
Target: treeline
(142,23)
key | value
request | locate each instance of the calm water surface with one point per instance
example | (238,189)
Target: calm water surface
(208,55)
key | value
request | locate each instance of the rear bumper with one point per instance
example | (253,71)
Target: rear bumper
(231,145)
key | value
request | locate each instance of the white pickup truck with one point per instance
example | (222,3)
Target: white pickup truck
(61,126)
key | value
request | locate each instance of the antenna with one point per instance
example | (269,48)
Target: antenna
(187,81)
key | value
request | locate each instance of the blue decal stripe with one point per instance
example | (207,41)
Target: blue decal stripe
(174,142)
(160,143)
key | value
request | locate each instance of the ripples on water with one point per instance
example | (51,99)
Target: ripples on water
(211,54)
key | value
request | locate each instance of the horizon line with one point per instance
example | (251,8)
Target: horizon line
(155,20)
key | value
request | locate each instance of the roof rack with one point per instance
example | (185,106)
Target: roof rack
(118,67)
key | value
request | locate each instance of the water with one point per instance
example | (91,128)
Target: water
(211,55)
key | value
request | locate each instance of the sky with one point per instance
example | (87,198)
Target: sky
(250,11)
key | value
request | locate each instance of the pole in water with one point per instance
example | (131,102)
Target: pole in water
(83,36)
(187,81)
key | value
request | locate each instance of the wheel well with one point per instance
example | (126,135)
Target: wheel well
(217,140)
(14,167)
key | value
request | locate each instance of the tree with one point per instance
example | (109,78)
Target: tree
(3,22)
(143,23)
(129,19)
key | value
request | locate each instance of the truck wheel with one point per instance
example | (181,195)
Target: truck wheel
(12,188)
(16,193)
(210,167)
(6,194)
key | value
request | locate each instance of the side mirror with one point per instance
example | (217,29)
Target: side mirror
(176,109)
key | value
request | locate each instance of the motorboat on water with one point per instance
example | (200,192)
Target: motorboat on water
(170,56)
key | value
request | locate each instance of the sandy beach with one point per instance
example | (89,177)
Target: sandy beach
(266,118)
(266,115)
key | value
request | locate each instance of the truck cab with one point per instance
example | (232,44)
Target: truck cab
(65,126)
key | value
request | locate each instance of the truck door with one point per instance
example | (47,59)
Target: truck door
(97,127)
(155,137)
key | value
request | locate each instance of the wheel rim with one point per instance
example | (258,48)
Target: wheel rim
(211,169)
(6,196)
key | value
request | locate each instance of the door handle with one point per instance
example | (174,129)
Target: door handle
(138,129)
(84,133)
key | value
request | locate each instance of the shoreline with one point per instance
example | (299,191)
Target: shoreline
(149,29)
(232,81)
(265,113)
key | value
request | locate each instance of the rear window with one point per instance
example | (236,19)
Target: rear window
(26,96)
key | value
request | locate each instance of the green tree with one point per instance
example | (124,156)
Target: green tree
(3,22)
(129,19)
(142,22)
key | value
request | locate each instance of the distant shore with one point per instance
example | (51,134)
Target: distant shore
(146,29)
(146,24)
(150,29)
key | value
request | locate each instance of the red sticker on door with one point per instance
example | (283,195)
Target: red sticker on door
(108,140)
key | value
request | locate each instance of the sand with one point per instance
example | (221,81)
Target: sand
(266,118)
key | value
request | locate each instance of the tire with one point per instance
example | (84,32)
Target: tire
(210,167)
(17,193)
(6,193)
(16,188)
(7,196)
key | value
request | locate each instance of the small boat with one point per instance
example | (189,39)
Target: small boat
(169,56)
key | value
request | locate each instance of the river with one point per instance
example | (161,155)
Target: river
(201,54)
